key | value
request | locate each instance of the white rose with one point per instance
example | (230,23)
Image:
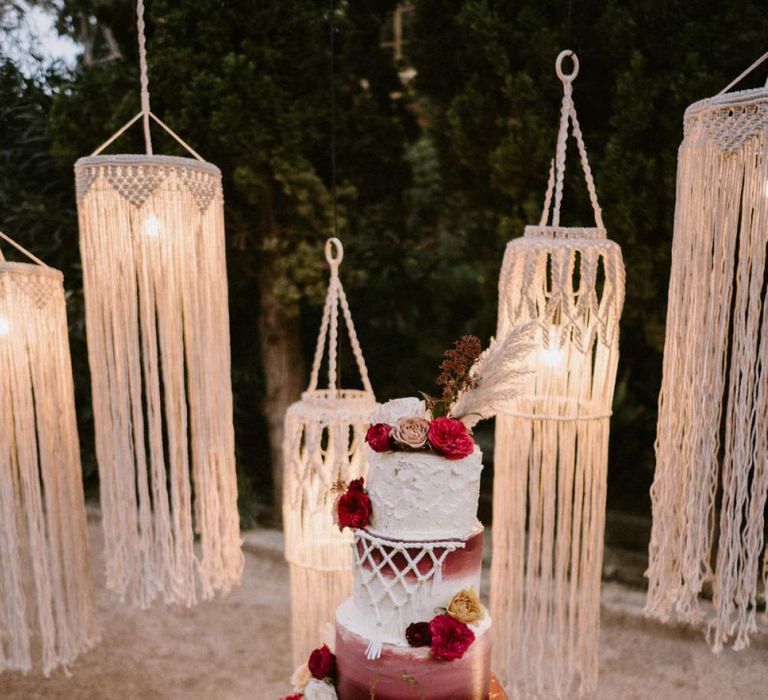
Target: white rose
(395,409)
(301,676)
(319,690)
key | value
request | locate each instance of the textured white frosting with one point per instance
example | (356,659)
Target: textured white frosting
(422,496)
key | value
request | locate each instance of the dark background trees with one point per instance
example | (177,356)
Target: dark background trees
(434,177)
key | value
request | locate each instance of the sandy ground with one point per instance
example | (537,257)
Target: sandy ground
(238,647)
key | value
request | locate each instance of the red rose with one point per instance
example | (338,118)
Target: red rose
(353,509)
(357,485)
(418,634)
(450,638)
(450,438)
(379,437)
(295,696)
(322,663)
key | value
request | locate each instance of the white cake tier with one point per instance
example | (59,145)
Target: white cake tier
(422,496)
(398,582)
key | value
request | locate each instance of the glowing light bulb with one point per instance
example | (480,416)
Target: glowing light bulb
(152,226)
(5,326)
(552,357)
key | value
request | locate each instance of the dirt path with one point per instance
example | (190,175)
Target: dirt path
(238,647)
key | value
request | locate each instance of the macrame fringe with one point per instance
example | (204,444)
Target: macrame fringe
(324,445)
(551,449)
(154,274)
(326,589)
(712,441)
(46,608)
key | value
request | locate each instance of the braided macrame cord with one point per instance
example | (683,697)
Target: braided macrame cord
(324,444)
(712,436)
(47,616)
(154,276)
(551,450)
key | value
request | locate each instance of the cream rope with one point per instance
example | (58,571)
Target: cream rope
(335,298)
(146,113)
(568,115)
(143,76)
(745,74)
(20,248)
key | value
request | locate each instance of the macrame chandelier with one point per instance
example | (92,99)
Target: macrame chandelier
(551,453)
(46,609)
(324,444)
(154,275)
(712,437)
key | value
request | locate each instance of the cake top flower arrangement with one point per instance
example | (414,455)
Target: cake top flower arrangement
(474,385)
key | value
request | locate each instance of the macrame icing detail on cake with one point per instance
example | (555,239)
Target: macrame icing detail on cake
(396,572)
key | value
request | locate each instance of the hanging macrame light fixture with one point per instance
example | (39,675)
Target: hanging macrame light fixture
(712,436)
(154,274)
(324,444)
(46,609)
(550,459)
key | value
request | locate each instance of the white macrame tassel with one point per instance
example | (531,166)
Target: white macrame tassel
(324,444)
(154,275)
(46,608)
(712,440)
(551,450)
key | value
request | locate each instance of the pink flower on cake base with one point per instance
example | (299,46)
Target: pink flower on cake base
(450,638)
(353,508)
(379,437)
(411,433)
(450,438)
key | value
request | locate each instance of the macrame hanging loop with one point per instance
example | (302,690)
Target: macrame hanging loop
(46,602)
(551,449)
(710,486)
(154,276)
(324,444)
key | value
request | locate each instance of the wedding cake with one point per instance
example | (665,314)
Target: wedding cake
(414,626)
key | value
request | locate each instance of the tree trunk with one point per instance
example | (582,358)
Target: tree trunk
(283,363)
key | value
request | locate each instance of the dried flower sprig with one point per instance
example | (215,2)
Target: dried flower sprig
(494,378)
(455,376)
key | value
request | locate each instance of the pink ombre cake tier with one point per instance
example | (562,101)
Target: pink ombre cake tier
(403,673)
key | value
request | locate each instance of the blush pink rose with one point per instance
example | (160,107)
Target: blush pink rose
(450,438)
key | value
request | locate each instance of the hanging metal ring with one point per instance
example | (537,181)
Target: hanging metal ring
(330,245)
(567,78)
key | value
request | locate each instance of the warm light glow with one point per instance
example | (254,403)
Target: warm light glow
(5,326)
(152,226)
(553,357)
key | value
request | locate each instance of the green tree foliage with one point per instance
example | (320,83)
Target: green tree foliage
(486,80)
(433,178)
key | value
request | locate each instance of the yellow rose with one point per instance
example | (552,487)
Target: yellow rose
(466,607)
